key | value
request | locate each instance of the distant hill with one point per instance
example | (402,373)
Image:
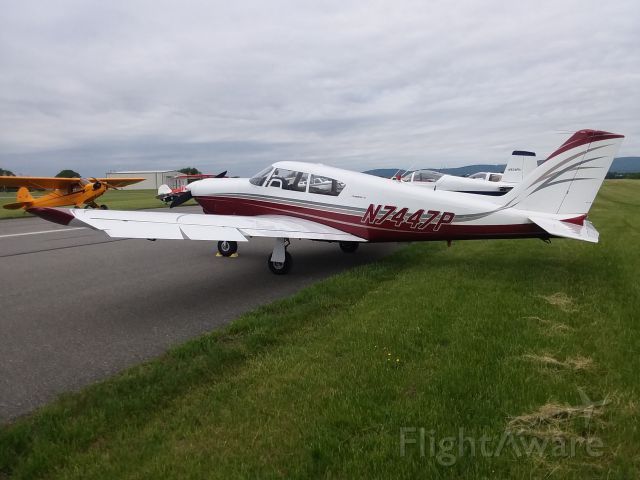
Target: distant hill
(620,165)
(626,165)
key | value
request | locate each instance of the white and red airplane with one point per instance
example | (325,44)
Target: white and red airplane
(316,202)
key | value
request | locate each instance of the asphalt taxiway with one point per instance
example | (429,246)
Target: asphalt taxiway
(77,306)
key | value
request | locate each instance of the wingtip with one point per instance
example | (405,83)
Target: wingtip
(52,215)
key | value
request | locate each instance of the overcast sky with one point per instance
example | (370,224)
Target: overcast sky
(122,85)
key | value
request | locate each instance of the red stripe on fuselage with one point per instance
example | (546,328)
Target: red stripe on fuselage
(352,223)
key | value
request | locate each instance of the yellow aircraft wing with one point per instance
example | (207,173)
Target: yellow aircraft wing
(50,183)
(120,182)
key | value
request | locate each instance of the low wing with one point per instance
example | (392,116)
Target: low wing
(194,226)
(120,182)
(47,183)
(585,232)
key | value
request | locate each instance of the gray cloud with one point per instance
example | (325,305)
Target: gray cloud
(97,86)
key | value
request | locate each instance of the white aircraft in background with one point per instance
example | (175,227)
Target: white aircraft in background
(519,166)
(316,202)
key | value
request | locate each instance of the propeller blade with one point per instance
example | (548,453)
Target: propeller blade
(221,175)
(182,198)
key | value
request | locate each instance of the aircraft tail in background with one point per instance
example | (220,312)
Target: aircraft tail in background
(23,200)
(520,165)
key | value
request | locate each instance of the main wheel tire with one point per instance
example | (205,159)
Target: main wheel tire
(86,207)
(280,268)
(349,247)
(226,248)
(104,207)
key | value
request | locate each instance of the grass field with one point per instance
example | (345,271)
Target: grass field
(114,199)
(530,346)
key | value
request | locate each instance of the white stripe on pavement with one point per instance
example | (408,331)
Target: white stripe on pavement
(41,232)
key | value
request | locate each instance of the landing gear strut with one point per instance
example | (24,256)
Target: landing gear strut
(280,261)
(226,248)
(348,247)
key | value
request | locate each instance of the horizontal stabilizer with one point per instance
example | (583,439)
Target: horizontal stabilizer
(18,205)
(585,232)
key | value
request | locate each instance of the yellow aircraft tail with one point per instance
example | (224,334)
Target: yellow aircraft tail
(23,199)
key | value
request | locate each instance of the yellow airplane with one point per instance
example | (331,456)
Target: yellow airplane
(66,191)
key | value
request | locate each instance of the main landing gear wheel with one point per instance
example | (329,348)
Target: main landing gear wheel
(348,247)
(226,249)
(95,205)
(280,268)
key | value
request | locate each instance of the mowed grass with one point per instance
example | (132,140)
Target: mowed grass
(512,341)
(114,199)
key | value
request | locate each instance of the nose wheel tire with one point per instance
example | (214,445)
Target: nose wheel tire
(280,268)
(104,207)
(226,249)
(349,247)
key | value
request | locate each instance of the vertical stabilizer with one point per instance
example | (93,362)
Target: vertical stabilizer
(568,181)
(520,165)
(23,200)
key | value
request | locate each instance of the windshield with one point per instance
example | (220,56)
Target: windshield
(259,178)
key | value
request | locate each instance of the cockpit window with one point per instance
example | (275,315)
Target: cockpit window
(422,176)
(259,178)
(289,180)
(325,185)
(495,177)
(429,176)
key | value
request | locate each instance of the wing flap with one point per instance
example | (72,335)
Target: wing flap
(209,232)
(585,232)
(283,226)
(119,229)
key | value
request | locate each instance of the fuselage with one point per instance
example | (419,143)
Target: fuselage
(369,207)
(58,197)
